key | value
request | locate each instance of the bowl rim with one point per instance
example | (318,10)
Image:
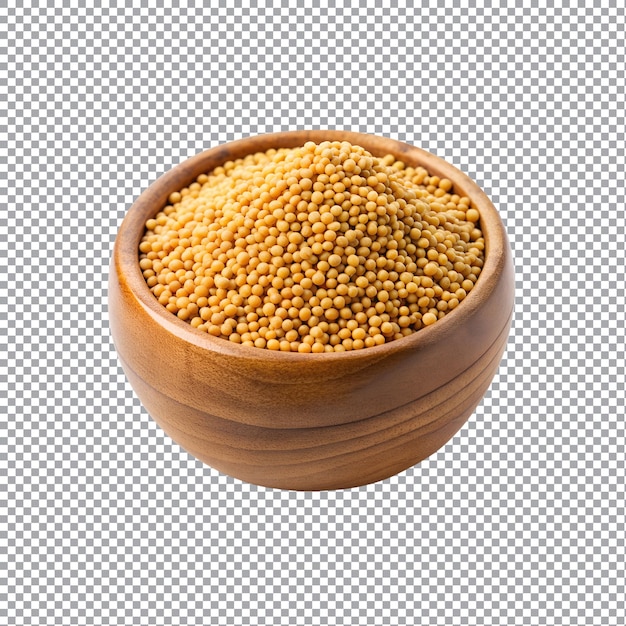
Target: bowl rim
(126,248)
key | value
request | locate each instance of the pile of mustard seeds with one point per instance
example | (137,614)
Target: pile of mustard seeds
(319,248)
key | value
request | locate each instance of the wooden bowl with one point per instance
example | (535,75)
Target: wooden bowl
(309,421)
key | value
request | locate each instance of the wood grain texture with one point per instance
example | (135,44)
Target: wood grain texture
(309,421)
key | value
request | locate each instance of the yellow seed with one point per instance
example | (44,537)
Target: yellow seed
(429,318)
(386,328)
(472,215)
(445,184)
(430,269)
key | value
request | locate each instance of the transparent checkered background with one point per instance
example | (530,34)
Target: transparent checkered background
(518,520)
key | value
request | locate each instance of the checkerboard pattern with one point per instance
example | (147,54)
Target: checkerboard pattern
(519,520)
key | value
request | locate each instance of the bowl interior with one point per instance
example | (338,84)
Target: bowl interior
(156,196)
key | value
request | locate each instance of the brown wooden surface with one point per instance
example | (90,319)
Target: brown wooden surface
(309,421)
